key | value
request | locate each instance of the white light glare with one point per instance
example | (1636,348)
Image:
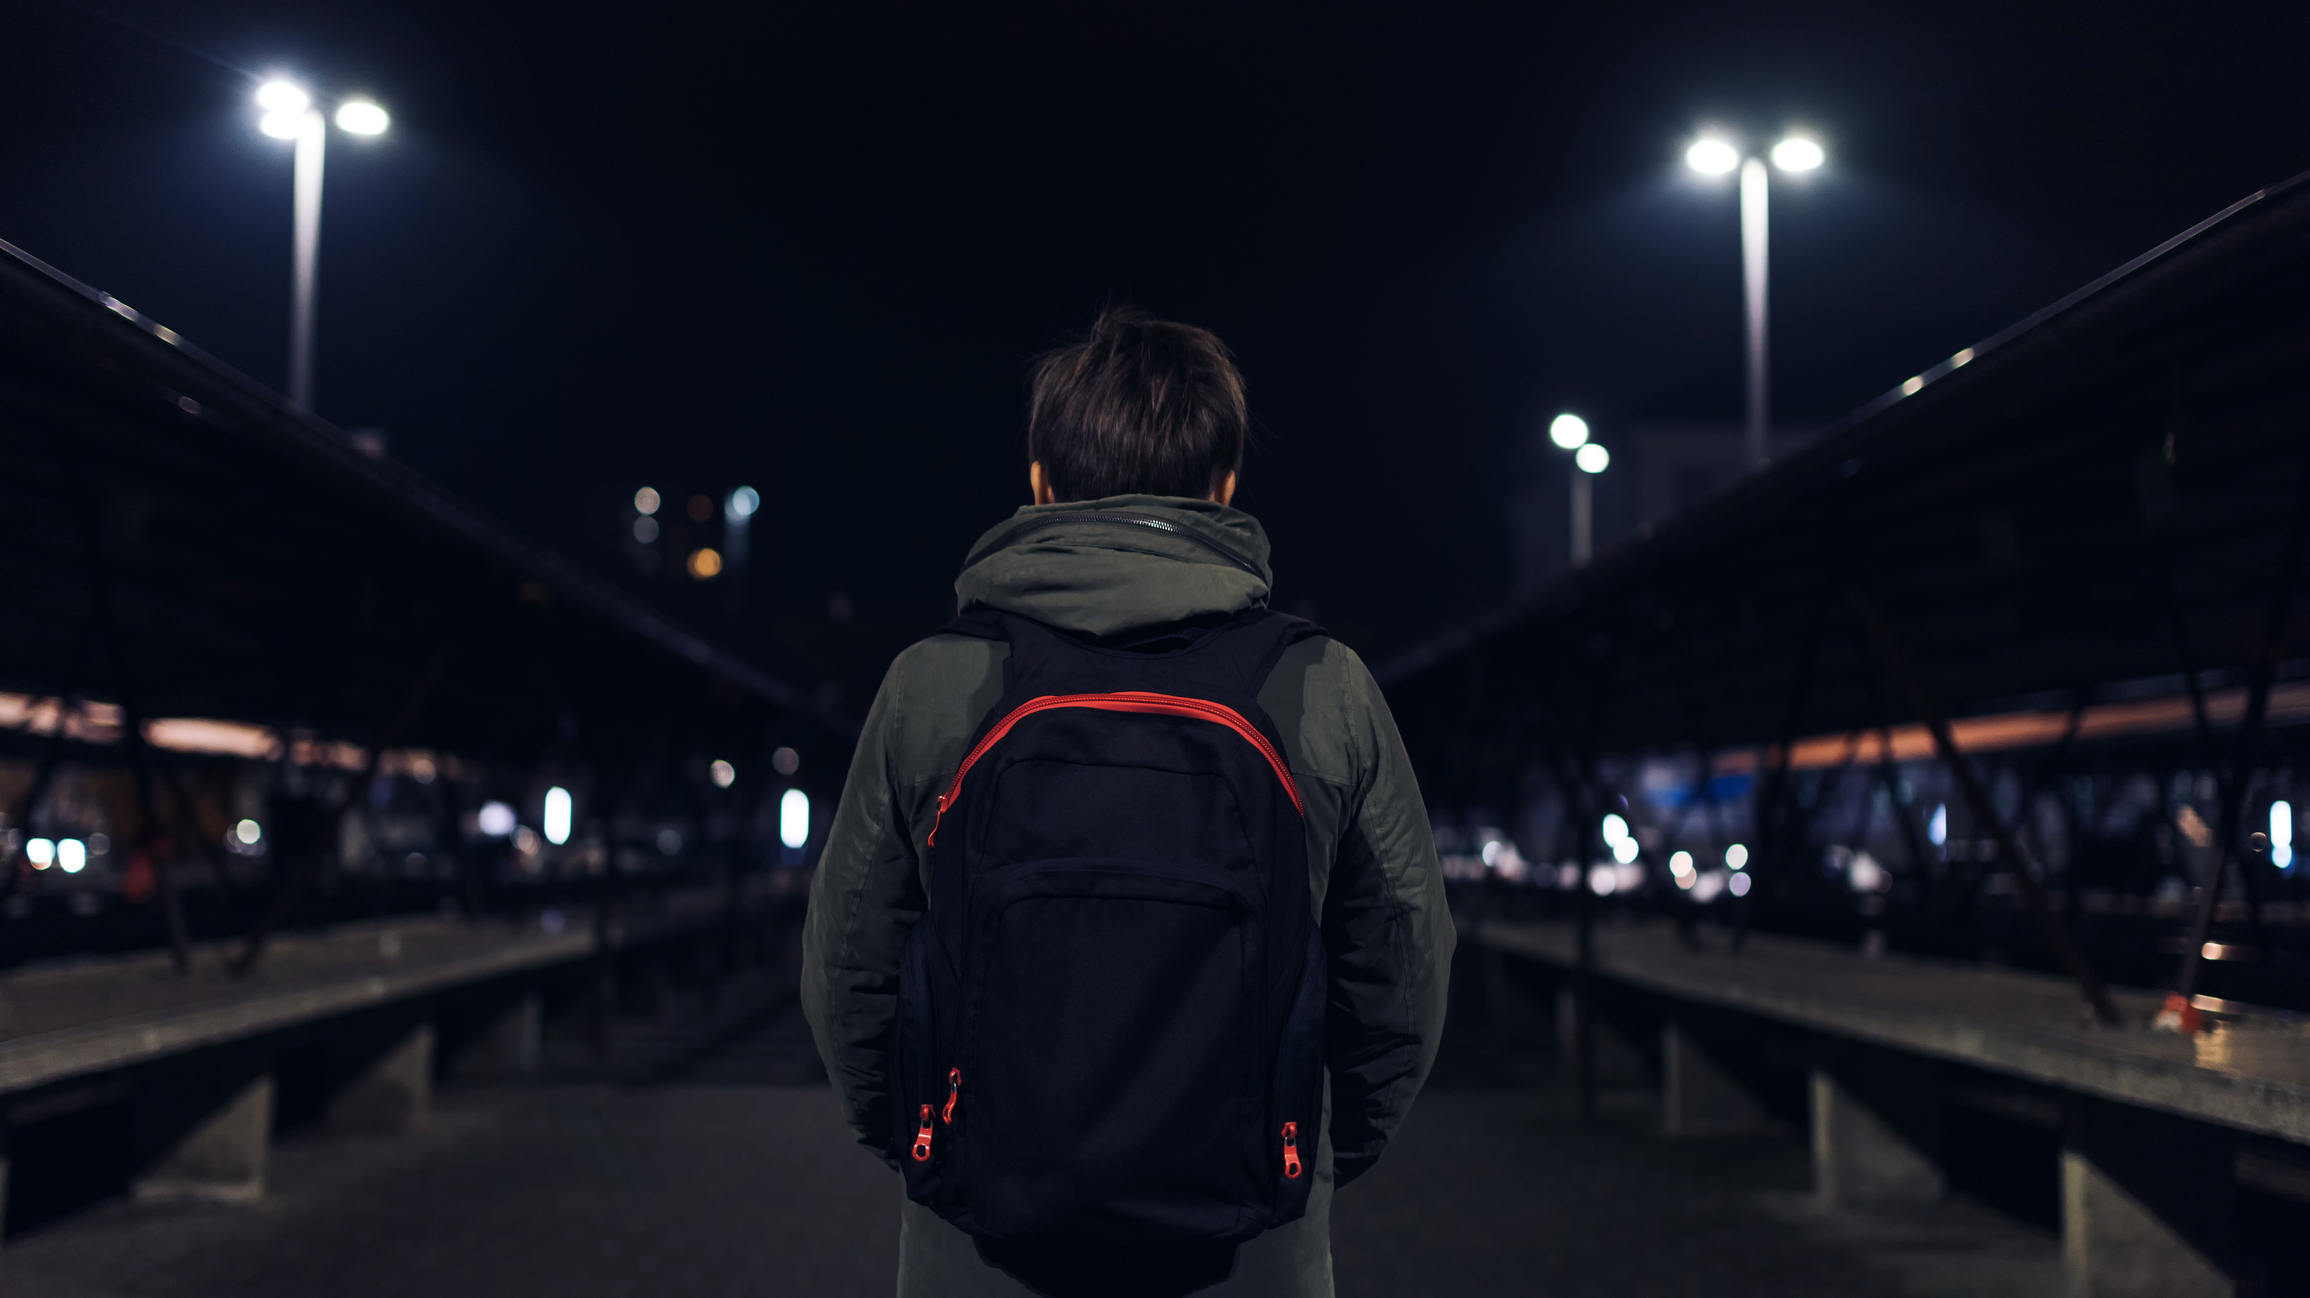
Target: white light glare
(1568,431)
(1615,829)
(1592,458)
(1737,856)
(794,818)
(2282,835)
(1797,153)
(248,831)
(71,854)
(40,852)
(557,815)
(646,501)
(1712,155)
(1624,851)
(724,774)
(496,820)
(283,97)
(363,118)
(743,502)
(282,126)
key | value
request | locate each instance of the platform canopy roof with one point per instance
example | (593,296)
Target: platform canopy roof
(2097,500)
(179,540)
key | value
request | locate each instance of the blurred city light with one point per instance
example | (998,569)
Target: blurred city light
(1739,885)
(786,761)
(279,96)
(362,117)
(1624,851)
(646,501)
(1568,431)
(1615,830)
(724,774)
(40,852)
(794,818)
(742,503)
(645,529)
(705,563)
(1602,879)
(1592,458)
(1712,155)
(248,831)
(1937,829)
(557,815)
(2282,835)
(496,819)
(1797,153)
(71,855)
(1737,856)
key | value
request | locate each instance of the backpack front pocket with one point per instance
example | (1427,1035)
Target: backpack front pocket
(1114,1085)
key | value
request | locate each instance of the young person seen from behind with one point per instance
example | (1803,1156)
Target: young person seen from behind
(1128,945)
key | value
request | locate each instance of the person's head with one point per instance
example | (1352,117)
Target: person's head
(1140,406)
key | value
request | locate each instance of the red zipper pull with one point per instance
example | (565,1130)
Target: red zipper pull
(922,1138)
(1291,1164)
(953,1093)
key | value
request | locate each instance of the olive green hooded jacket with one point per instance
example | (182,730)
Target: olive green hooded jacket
(1371,859)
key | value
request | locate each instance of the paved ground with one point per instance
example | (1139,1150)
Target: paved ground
(734,1178)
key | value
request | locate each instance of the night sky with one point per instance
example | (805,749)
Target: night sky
(811,247)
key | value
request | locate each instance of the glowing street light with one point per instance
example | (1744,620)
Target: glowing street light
(1716,155)
(290,115)
(1570,432)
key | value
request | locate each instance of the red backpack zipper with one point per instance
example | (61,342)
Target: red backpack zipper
(922,1138)
(953,1093)
(1291,1163)
(1124,701)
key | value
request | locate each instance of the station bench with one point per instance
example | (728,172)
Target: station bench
(2157,1131)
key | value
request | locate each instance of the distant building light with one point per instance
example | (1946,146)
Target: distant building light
(557,815)
(645,529)
(1592,458)
(1568,431)
(1937,829)
(724,774)
(1615,829)
(1737,856)
(794,818)
(742,504)
(705,563)
(248,831)
(40,852)
(1739,885)
(786,761)
(496,819)
(71,855)
(1624,851)
(1680,865)
(646,501)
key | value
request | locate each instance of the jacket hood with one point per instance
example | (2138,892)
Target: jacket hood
(1105,567)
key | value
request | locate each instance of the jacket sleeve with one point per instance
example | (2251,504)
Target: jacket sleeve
(1389,932)
(863,902)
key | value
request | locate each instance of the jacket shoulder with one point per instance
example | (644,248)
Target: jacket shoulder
(1327,708)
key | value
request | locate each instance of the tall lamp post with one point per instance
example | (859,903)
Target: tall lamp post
(1716,155)
(290,115)
(1570,432)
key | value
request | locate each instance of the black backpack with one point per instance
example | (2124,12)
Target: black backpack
(1111,1016)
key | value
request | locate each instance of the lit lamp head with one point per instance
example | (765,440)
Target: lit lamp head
(1712,155)
(362,117)
(1592,458)
(1568,431)
(1798,153)
(285,104)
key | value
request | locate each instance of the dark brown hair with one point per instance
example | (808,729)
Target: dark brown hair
(1140,406)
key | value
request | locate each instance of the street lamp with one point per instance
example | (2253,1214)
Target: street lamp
(1717,155)
(1570,432)
(290,115)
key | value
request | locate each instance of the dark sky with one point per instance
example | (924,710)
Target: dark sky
(811,247)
